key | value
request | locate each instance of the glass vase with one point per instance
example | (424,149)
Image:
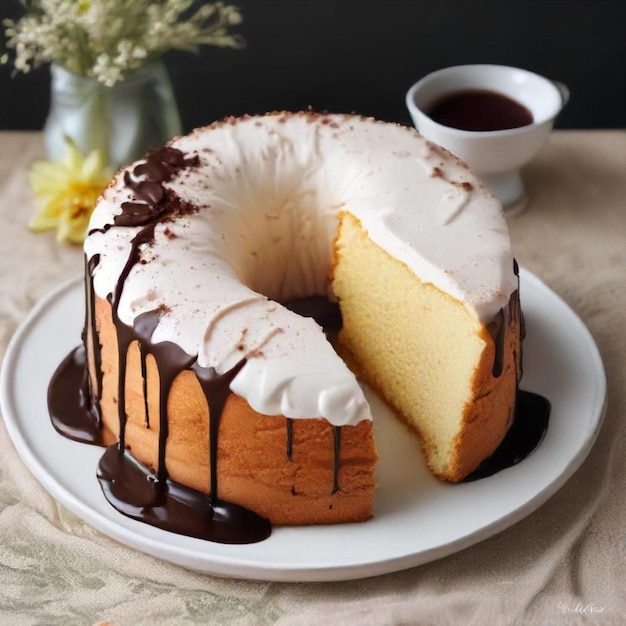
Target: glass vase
(123,121)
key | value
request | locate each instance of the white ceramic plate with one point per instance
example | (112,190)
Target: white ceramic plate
(417,518)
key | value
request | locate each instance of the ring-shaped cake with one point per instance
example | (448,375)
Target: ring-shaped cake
(200,258)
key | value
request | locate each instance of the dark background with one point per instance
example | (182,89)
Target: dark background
(362,55)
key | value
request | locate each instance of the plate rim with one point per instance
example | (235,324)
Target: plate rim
(228,566)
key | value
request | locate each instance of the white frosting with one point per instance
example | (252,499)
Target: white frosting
(269,190)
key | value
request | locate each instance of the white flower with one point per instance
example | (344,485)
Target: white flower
(105,39)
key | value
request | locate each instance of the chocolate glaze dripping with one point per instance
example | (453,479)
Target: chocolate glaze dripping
(73,403)
(125,334)
(531,418)
(289,438)
(90,334)
(498,329)
(529,426)
(216,389)
(517,317)
(170,361)
(69,402)
(157,500)
(143,354)
(127,486)
(337,451)
(154,205)
(151,208)
(328,315)
(174,507)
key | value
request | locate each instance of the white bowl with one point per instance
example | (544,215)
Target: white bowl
(497,155)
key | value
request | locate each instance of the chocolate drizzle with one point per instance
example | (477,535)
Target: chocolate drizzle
(326,314)
(143,355)
(152,200)
(73,400)
(174,507)
(336,448)
(532,415)
(216,389)
(153,499)
(70,403)
(289,438)
(90,338)
(170,361)
(497,330)
(529,423)
(151,208)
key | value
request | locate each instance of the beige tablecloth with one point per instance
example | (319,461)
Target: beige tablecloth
(564,564)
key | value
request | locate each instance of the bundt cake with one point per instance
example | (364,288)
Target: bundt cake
(242,277)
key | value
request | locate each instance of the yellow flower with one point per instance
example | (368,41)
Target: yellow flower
(83,6)
(66,192)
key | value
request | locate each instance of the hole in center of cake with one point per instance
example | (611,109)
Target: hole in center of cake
(285,249)
(280,237)
(326,313)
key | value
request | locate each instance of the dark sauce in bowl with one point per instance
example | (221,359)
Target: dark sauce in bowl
(479,110)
